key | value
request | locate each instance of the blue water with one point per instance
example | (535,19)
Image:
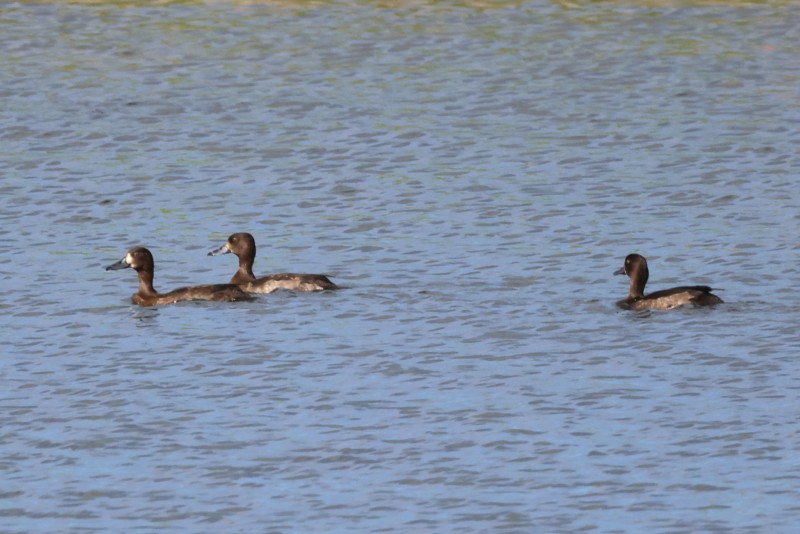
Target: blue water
(473,174)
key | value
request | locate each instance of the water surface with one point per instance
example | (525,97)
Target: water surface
(473,173)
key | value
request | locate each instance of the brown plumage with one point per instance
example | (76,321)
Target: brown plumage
(636,268)
(141,260)
(244,246)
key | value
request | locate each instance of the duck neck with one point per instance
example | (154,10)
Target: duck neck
(146,283)
(245,271)
(638,281)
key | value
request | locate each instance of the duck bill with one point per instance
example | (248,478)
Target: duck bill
(221,250)
(621,270)
(121,264)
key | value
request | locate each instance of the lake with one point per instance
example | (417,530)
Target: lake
(472,173)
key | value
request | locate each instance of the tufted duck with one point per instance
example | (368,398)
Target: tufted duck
(244,246)
(636,268)
(141,260)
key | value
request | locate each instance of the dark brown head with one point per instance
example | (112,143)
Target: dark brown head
(137,258)
(242,244)
(635,267)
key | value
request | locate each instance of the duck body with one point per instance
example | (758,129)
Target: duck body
(290,281)
(243,245)
(141,260)
(636,268)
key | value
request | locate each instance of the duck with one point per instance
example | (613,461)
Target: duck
(244,246)
(635,267)
(140,260)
